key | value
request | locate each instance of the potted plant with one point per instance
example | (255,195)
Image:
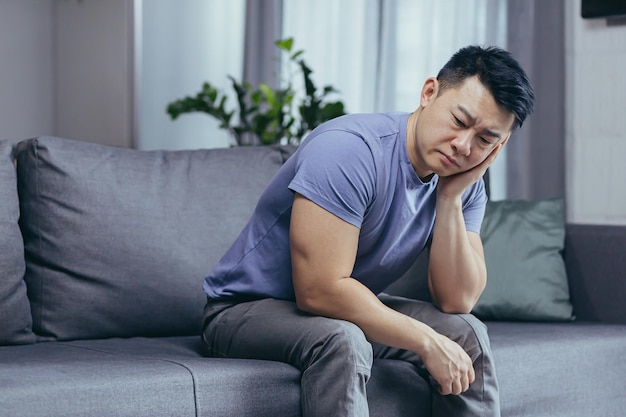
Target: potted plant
(266,116)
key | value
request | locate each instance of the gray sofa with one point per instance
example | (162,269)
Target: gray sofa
(102,254)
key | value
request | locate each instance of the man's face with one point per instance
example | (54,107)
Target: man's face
(456,130)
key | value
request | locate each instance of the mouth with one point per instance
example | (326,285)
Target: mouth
(450,160)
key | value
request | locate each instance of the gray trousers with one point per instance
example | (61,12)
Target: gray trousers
(276,330)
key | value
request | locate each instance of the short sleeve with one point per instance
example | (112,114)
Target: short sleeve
(335,169)
(474,203)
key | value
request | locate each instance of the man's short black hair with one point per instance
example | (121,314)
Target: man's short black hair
(498,71)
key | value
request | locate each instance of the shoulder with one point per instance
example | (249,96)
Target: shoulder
(366,125)
(474,203)
(354,133)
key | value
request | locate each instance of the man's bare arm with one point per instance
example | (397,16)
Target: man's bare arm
(457,274)
(323,252)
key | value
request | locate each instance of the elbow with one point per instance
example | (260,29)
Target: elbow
(464,306)
(455,309)
(305,304)
(319,302)
(458,302)
(311,303)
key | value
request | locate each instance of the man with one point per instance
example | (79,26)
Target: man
(348,214)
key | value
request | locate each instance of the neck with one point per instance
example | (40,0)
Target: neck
(412,148)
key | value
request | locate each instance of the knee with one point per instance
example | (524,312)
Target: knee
(471,334)
(345,341)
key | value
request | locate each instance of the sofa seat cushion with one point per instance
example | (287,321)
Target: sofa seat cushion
(58,379)
(572,369)
(223,387)
(141,377)
(15,317)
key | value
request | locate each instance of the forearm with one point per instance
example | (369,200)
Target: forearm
(347,299)
(457,273)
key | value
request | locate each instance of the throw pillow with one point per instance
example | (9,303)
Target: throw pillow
(15,317)
(523,242)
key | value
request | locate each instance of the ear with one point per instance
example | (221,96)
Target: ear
(429,91)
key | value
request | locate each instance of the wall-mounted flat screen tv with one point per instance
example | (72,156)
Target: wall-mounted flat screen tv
(602,8)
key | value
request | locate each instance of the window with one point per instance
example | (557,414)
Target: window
(180,45)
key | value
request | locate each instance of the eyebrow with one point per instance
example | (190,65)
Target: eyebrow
(472,120)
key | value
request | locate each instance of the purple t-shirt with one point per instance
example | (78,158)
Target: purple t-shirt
(357,168)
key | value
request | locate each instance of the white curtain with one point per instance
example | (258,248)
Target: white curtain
(378,53)
(419,36)
(340,44)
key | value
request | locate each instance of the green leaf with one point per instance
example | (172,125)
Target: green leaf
(270,97)
(285,44)
(329,89)
(309,86)
(332,110)
(256,97)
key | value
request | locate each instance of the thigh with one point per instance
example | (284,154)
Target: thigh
(273,329)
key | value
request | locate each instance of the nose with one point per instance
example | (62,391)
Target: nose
(461,143)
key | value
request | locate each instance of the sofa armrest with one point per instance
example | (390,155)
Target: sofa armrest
(596,269)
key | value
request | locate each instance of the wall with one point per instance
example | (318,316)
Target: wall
(66,70)
(595,112)
(26,75)
(94,71)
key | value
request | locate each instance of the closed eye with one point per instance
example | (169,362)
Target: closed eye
(458,121)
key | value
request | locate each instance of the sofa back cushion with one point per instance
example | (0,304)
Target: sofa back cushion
(15,318)
(118,241)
